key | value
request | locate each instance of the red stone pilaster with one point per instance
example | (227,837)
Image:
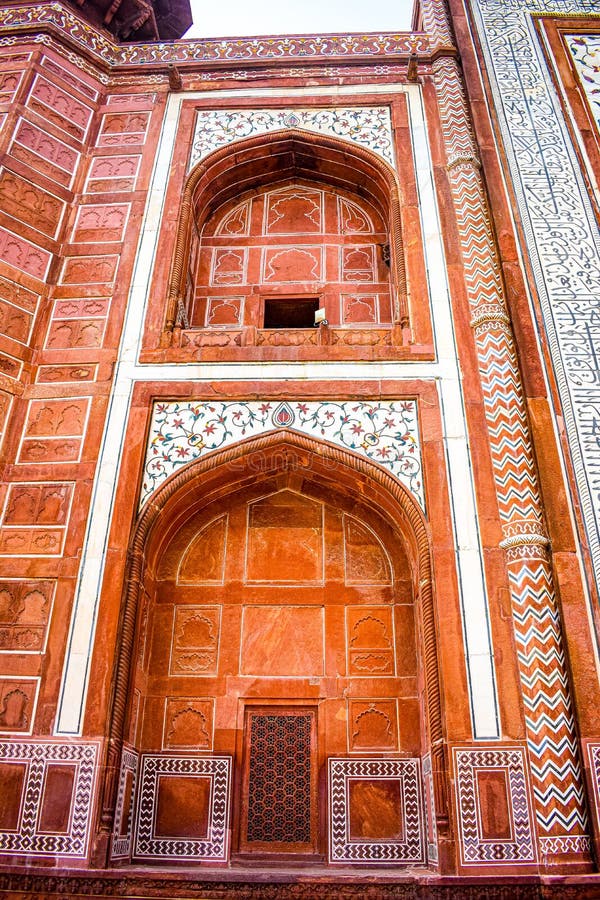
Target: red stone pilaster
(554,756)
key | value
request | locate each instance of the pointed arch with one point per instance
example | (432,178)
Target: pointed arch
(271,158)
(222,472)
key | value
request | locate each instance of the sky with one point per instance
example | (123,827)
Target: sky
(243,18)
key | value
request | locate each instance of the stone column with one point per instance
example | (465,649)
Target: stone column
(555,766)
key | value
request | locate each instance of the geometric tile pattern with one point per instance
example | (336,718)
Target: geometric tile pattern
(518,847)
(556,771)
(343,848)
(37,756)
(149,845)
(385,431)
(367,126)
(121,843)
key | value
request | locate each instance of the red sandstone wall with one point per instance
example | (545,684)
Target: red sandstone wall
(76,157)
(75,160)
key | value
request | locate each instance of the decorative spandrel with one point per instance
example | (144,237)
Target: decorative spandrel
(385,432)
(370,127)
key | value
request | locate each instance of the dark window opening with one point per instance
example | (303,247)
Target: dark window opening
(290,312)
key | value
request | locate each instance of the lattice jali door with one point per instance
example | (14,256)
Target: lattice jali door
(279,797)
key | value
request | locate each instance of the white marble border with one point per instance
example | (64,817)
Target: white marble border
(561,232)
(444,372)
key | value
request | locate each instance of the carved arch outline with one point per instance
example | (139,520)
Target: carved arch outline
(336,162)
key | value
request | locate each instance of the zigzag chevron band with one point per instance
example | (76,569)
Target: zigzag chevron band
(555,766)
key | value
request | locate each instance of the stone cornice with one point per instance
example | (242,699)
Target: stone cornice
(61,22)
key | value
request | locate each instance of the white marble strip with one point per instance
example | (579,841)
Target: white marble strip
(561,231)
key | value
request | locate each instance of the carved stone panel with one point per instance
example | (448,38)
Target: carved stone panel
(56,783)
(54,430)
(17,704)
(101,223)
(372,726)
(30,204)
(35,517)
(23,255)
(183,811)
(493,805)
(195,642)
(114,174)
(370,641)
(123,129)
(45,153)
(188,724)
(55,105)
(376,813)
(25,610)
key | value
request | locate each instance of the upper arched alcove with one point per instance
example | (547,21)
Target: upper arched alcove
(244,179)
(271,259)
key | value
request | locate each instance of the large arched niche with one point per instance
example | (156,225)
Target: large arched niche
(276,465)
(278,158)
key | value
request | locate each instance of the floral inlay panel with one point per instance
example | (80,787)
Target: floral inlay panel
(384,431)
(585,50)
(370,127)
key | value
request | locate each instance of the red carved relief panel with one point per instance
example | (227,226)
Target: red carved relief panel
(15,323)
(10,366)
(25,201)
(188,724)
(23,255)
(112,174)
(89,269)
(44,153)
(25,610)
(195,640)
(54,430)
(48,374)
(35,519)
(77,80)
(9,85)
(101,223)
(61,108)
(123,129)
(17,704)
(83,333)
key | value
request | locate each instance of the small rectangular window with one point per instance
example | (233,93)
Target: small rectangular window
(290,312)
